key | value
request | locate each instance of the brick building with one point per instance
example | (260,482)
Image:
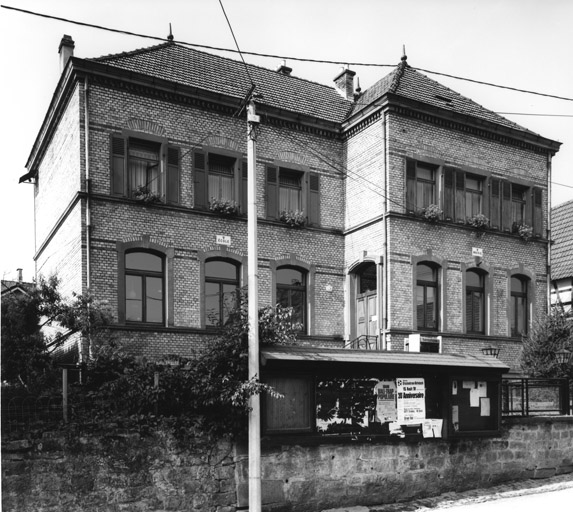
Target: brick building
(425,214)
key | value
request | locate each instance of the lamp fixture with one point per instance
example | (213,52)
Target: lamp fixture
(563,356)
(491,351)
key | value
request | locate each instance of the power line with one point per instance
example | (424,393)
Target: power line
(528,114)
(267,55)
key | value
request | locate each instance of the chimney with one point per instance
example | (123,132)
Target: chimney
(66,50)
(344,83)
(283,69)
(19,270)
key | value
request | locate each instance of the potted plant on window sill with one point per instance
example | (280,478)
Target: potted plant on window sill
(432,213)
(479,222)
(524,231)
(145,195)
(224,207)
(293,219)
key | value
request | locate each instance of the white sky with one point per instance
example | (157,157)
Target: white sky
(525,44)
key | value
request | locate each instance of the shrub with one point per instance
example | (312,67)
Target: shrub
(223,207)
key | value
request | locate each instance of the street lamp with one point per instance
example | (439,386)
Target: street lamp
(491,351)
(563,357)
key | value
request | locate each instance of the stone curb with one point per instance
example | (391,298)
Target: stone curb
(452,499)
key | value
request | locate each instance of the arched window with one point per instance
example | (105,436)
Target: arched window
(518,317)
(144,287)
(221,284)
(427,297)
(291,293)
(475,302)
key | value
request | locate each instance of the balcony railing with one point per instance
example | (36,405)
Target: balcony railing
(364,342)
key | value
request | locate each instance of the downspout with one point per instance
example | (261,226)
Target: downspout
(549,235)
(386,270)
(88,204)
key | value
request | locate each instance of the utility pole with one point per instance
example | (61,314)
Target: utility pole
(253,298)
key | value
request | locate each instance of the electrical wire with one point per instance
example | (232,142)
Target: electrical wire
(274,56)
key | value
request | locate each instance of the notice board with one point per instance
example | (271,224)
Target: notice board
(474,405)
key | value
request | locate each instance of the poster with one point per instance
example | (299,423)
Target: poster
(456,417)
(385,392)
(485,407)
(411,400)
(432,428)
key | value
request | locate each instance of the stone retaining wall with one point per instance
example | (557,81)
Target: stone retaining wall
(132,472)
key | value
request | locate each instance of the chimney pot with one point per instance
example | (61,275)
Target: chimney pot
(283,69)
(19,270)
(66,50)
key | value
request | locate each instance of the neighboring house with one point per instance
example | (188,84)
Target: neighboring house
(18,288)
(562,255)
(142,156)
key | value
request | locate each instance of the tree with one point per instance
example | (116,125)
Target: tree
(26,349)
(549,334)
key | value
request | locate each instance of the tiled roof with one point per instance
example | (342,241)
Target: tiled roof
(227,76)
(562,235)
(218,74)
(405,81)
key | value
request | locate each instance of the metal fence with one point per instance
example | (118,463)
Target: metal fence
(535,397)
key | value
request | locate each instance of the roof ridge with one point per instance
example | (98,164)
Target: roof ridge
(139,51)
(562,205)
(400,68)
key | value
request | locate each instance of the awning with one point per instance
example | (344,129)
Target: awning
(280,356)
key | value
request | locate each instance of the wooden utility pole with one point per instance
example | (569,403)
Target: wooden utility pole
(253,298)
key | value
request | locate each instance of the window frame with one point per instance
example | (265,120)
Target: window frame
(167,254)
(309,190)
(168,160)
(529,280)
(221,282)
(201,173)
(424,284)
(295,288)
(483,302)
(412,185)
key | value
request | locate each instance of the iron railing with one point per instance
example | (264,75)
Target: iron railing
(364,342)
(534,397)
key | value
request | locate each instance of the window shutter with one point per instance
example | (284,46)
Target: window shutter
(173,174)
(537,212)
(410,186)
(314,198)
(200,179)
(272,192)
(528,217)
(118,166)
(506,217)
(495,204)
(449,193)
(460,196)
(244,186)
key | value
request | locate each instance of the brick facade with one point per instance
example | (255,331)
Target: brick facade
(360,166)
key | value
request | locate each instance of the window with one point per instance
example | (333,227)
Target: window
(426,297)
(291,293)
(144,169)
(221,284)
(420,185)
(475,302)
(292,190)
(463,195)
(144,287)
(513,205)
(518,306)
(221,177)
(518,201)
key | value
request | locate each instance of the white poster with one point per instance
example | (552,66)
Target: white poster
(385,392)
(411,400)
(432,428)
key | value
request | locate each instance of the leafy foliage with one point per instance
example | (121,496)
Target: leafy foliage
(224,207)
(26,360)
(209,393)
(293,219)
(548,335)
(432,213)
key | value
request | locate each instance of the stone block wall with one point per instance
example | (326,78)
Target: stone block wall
(134,472)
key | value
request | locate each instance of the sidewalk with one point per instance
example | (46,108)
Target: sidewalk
(453,499)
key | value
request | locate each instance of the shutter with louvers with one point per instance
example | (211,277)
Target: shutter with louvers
(314,198)
(495,204)
(449,193)
(537,212)
(460,196)
(244,186)
(200,179)
(528,217)
(411,186)
(272,193)
(118,166)
(506,217)
(173,175)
